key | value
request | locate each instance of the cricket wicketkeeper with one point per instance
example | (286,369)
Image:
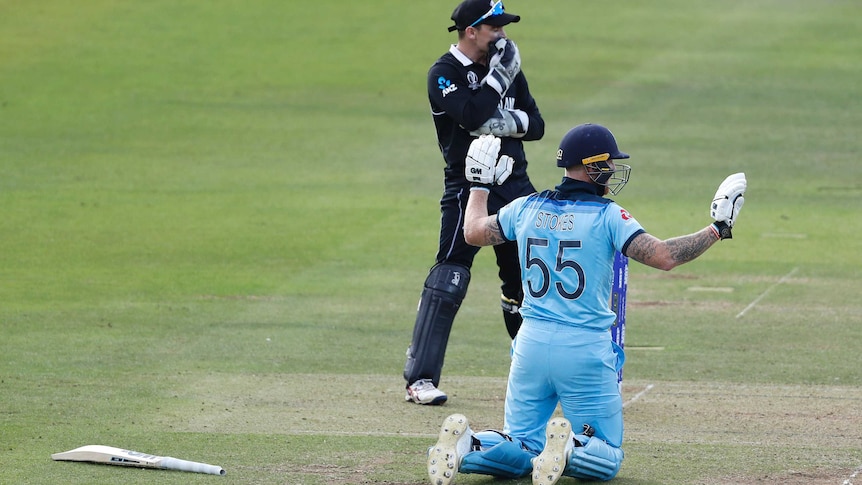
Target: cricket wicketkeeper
(475,88)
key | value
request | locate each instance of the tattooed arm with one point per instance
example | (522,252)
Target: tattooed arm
(670,253)
(480,229)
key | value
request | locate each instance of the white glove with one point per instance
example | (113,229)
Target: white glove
(505,64)
(505,122)
(503,169)
(728,199)
(481,165)
(481,161)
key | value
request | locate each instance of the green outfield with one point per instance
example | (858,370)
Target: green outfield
(217,218)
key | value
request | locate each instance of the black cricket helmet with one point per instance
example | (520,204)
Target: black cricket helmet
(594,146)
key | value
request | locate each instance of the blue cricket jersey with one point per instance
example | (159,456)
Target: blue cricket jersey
(566,243)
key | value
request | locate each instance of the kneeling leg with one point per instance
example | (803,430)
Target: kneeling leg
(498,457)
(596,460)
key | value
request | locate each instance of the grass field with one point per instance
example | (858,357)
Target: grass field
(217,218)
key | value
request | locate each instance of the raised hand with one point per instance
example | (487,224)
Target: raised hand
(727,203)
(505,64)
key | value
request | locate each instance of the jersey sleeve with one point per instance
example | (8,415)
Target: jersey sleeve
(622,225)
(449,92)
(507,218)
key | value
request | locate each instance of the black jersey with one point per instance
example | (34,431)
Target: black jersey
(460,103)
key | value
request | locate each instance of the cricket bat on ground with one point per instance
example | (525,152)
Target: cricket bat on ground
(118,456)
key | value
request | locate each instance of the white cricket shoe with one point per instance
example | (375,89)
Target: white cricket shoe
(423,391)
(548,467)
(444,458)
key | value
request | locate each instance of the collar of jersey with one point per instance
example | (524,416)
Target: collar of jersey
(464,60)
(571,188)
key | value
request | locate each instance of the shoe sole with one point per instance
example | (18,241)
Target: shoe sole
(549,466)
(443,457)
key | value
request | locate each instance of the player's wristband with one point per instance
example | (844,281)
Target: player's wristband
(478,186)
(721,230)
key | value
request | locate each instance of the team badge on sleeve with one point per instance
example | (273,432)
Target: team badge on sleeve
(446,85)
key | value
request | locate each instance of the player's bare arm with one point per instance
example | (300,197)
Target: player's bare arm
(668,254)
(480,229)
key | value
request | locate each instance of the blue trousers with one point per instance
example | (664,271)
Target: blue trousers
(554,363)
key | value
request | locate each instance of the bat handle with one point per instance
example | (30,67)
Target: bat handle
(171,463)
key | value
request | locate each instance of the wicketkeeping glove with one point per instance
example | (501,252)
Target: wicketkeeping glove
(505,64)
(727,203)
(505,122)
(481,166)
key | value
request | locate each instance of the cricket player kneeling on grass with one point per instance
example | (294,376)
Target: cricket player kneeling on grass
(563,354)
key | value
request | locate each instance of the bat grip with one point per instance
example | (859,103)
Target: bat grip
(171,463)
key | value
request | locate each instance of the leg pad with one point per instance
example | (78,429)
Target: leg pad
(596,460)
(444,291)
(511,314)
(504,460)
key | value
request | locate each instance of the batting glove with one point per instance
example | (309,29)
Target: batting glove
(505,122)
(505,64)
(727,203)
(481,162)
(503,169)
